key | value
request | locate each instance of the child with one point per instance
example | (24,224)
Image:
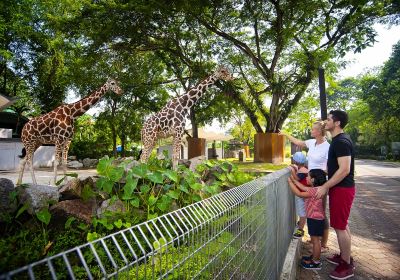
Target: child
(315,213)
(299,171)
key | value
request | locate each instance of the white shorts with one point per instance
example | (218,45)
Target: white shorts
(300,206)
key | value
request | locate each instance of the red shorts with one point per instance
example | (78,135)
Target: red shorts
(340,202)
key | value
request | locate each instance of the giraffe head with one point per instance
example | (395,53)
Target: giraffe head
(112,84)
(223,73)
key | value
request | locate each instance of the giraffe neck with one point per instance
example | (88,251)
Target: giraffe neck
(194,94)
(80,107)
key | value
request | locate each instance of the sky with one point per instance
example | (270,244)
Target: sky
(375,55)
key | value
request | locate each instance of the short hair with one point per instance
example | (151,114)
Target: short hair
(319,177)
(340,116)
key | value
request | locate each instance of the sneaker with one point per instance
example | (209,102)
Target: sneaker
(337,259)
(311,265)
(299,233)
(306,258)
(342,271)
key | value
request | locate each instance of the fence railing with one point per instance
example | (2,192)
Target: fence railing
(243,233)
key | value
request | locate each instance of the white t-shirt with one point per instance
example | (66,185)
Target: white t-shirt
(317,154)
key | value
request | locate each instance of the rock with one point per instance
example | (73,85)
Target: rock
(184,162)
(131,164)
(75,164)
(196,161)
(71,158)
(89,163)
(73,188)
(77,208)
(37,197)
(7,205)
(106,205)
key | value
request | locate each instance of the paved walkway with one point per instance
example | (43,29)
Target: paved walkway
(374,223)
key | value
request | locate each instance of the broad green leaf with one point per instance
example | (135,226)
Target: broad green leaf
(130,185)
(135,202)
(196,197)
(155,177)
(230,177)
(144,188)
(21,210)
(172,175)
(44,216)
(116,174)
(104,166)
(196,186)
(164,203)
(225,166)
(105,184)
(118,223)
(152,200)
(183,188)
(92,236)
(69,222)
(140,170)
(127,225)
(152,216)
(174,194)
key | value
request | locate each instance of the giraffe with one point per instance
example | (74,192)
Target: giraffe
(57,127)
(170,120)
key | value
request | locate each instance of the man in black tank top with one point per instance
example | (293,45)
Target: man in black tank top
(341,188)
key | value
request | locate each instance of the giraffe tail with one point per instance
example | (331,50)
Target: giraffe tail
(23,153)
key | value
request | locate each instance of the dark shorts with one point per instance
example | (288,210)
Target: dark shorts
(315,227)
(340,202)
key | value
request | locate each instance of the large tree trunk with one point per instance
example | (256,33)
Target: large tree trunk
(195,129)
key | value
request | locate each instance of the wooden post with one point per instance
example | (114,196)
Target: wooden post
(196,147)
(269,147)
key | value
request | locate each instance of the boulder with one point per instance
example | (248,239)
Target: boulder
(81,210)
(75,164)
(184,162)
(131,164)
(89,163)
(107,205)
(7,204)
(37,197)
(73,188)
(196,161)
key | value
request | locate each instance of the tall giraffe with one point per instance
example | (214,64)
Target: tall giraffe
(170,120)
(57,127)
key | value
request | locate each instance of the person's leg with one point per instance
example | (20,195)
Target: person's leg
(316,250)
(344,241)
(301,223)
(325,236)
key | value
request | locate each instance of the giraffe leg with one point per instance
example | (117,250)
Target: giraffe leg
(22,164)
(177,147)
(30,150)
(58,153)
(65,157)
(148,144)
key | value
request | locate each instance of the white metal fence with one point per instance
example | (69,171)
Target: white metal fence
(243,233)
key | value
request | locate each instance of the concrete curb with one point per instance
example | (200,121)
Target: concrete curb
(291,260)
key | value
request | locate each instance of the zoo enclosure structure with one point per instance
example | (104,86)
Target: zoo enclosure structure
(243,233)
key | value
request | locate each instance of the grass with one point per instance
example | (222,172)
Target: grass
(258,167)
